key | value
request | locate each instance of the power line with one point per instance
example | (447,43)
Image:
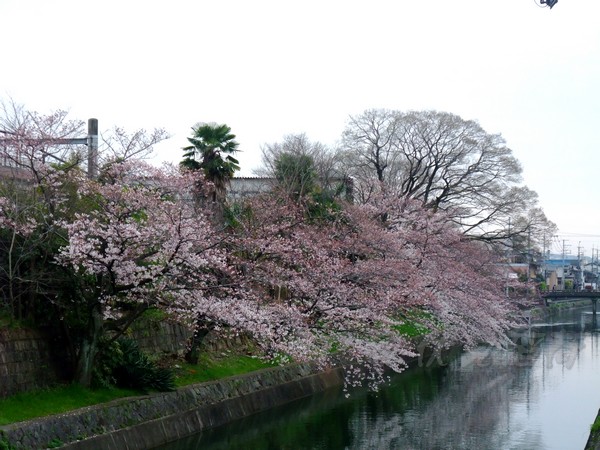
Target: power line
(566,234)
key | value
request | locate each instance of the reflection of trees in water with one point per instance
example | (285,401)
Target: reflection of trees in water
(291,426)
(323,421)
(452,407)
(484,394)
(480,401)
(469,412)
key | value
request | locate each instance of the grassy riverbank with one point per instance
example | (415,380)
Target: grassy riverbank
(212,366)
(593,442)
(64,398)
(40,403)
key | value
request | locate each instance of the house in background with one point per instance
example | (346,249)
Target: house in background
(569,272)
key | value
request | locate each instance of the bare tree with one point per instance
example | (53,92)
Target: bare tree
(448,163)
(371,139)
(123,145)
(368,152)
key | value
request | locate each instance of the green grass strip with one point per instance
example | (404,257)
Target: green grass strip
(40,403)
(28,405)
(211,368)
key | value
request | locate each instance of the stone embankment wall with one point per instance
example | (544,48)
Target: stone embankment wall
(161,338)
(169,338)
(26,362)
(148,421)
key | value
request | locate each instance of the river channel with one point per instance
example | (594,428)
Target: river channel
(542,394)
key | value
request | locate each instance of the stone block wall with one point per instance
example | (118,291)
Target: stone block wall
(26,361)
(161,338)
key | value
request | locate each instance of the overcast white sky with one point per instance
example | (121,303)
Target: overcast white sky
(270,68)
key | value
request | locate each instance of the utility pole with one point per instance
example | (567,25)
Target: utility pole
(581,281)
(510,243)
(508,259)
(92,145)
(564,274)
(596,278)
(528,256)
(544,258)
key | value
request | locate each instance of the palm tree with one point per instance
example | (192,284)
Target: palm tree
(211,150)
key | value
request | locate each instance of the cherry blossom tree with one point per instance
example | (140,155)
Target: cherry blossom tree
(364,272)
(29,138)
(293,263)
(134,240)
(458,283)
(310,280)
(28,148)
(96,253)
(109,249)
(140,246)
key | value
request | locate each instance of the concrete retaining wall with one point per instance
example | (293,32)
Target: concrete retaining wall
(148,421)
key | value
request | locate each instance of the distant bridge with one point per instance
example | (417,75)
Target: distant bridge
(572,295)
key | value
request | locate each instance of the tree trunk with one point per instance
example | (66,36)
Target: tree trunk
(203,327)
(89,348)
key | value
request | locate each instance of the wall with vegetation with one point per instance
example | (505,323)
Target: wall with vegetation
(148,421)
(27,362)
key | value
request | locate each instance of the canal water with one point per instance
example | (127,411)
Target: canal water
(543,394)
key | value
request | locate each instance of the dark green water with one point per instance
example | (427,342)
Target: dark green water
(544,394)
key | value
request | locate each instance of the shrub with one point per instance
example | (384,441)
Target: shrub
(124,364)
